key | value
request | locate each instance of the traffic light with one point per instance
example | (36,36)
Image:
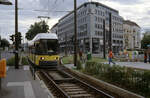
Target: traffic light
(19,37)
(12,38)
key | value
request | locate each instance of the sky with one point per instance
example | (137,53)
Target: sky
(134,10)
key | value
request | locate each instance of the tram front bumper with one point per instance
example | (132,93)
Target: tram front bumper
(48,63)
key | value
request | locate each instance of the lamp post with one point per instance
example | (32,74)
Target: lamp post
(75,33)
(104,39)
(16,35)
(110,32)
(3,2)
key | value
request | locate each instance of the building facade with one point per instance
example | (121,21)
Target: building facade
(90,29)
(54,29)
(132,35)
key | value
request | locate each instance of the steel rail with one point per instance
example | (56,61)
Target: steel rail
(90,86)
(74,81)
(61,92)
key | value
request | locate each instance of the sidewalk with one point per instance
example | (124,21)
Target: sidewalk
(20,84)
(139,65)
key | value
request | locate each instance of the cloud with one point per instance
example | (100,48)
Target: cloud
(135,10)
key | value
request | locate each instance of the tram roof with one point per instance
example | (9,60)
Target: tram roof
(43,36)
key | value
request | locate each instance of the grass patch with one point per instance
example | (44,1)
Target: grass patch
(24,61)
(97,59)
(67,60)
(11,61)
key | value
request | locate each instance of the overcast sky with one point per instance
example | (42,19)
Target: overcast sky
(134,10)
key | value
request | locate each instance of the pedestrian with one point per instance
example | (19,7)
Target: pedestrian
(145,57)
(80,55)
(149,57)
(110,56)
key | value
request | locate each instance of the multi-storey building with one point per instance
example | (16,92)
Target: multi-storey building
(54,29)
(90,18)
(132,35)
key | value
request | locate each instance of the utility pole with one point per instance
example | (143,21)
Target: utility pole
(104,39)
(16,35)
(75,33)
(110,32)
(66,50)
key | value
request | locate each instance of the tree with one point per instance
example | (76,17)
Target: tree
(145,41)
(38,27)
(4,43)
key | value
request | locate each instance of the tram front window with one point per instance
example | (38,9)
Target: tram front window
(49,47)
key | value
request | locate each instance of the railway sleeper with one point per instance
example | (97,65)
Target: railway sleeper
(82,96)
(62,80)
(67,85)
(79,92)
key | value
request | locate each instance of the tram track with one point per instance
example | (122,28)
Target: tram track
(64,85)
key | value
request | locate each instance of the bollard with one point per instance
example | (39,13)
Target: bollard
(2,71)
(0,84)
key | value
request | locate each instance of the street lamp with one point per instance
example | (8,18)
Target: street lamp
(75,33)
(5,2)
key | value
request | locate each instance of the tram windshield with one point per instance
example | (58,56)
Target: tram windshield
(48,47)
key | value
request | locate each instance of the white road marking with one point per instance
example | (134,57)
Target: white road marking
(7,68)
(25,67)
(28,91)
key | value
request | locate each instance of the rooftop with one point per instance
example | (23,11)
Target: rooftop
(131,23)
(97,3)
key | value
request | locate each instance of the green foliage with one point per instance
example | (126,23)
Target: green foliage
(67,60)
(145,41)
(134,80)
(24,61)
(38,27)
(97,59)
(4,43)
(11,61)
(79,65)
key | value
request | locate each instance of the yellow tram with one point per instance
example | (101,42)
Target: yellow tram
(43,49)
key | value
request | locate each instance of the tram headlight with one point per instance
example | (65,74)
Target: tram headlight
(57,58)
(42,58)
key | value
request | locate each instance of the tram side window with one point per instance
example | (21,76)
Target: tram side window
(33,51)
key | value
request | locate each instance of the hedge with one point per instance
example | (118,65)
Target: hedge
(134,80)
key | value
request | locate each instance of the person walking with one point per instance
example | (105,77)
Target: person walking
(110,56)
(80,55)
(149,57)
(145,57)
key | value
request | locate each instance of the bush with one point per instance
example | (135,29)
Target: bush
(134,80)
(79,65)
(24,61)
(11,61)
